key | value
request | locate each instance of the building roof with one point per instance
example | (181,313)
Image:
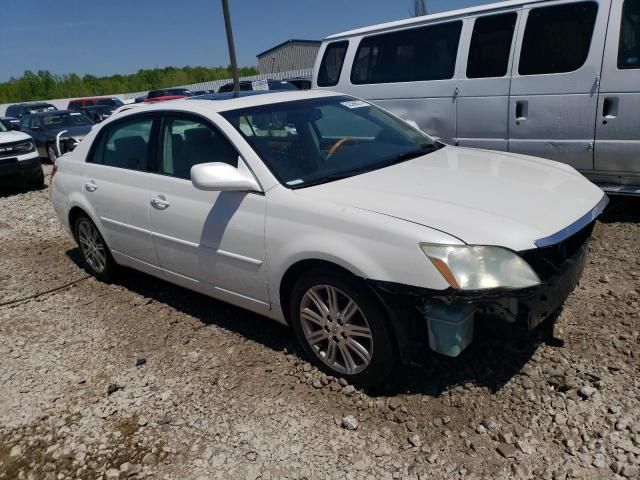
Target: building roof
(437,16)
(292,40)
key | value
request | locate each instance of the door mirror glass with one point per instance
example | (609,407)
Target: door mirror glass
(222,177)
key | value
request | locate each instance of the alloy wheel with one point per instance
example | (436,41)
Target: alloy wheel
(92,246)
(336,329)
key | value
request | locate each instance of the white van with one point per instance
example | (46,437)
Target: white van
(556,79)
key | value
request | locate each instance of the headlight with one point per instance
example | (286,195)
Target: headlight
(24,147)
(480,267)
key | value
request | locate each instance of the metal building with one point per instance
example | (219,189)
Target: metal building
(289,55)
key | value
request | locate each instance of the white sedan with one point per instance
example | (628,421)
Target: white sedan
(321,211)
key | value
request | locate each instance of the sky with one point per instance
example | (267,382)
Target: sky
(104,37)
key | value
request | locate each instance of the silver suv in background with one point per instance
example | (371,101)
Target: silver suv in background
(555,79)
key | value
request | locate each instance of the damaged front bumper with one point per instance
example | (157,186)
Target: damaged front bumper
(419,314)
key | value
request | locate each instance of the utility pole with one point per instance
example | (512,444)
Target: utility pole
(232,48)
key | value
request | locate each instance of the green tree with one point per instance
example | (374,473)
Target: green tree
(44,85)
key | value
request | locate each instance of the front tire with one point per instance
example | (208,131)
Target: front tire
(95,253)
(342,327)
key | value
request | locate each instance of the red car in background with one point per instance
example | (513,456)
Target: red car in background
(167,94)
(80,103)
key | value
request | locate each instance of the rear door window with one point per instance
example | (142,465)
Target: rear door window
(491,45)
(557,39)
(426,53)
(629,48)
(125,145)
(332,62)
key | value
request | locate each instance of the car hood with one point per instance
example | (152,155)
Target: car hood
(481,197)
(78,132)
(13,136)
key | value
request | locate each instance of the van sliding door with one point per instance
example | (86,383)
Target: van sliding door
(618,120)
(554,88)
(483,101)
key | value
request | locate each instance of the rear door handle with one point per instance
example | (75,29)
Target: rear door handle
(90,186)
(160,203)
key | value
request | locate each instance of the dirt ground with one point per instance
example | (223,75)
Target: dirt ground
(142,379)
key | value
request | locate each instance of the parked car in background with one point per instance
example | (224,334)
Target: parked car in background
(19,160)
(19,110)
(11,123)
(258,85)
(379,240)
(98,113)
(167,94)
(45,127)
(301,83)
(140,99)
(560,80)
(203,92)
(80,103)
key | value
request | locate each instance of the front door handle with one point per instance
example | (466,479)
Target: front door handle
(159,203)
(90,186)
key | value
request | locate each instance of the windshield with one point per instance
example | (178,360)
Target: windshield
(3,127)
(67,119)
(308,142)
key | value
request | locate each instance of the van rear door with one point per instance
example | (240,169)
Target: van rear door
(618,124)
(554,87)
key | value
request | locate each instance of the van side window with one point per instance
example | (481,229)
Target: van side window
(426,53)
(125,145)
(629,48)
(332,62)
(557,39)
(491,45)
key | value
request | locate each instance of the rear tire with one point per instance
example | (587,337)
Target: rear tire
(341,327)
(95,253)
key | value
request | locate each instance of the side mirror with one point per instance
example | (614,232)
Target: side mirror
(222,177)
(15,126)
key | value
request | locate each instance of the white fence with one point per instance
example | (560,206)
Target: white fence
(212,85)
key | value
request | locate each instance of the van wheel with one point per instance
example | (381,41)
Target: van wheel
(341,327)
(95,253)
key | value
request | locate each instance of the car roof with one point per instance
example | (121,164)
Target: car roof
(416,21)
(205,105)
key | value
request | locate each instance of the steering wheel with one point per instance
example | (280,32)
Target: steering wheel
(338,145)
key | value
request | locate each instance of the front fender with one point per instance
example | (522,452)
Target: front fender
(367,244)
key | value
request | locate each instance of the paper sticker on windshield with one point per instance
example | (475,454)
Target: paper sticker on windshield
(75,113)
(354,104)
(260,85)
(295,182)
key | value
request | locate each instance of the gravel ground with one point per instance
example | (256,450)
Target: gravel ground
(141,379)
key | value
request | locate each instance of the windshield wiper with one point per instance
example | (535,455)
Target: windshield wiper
(403,157)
